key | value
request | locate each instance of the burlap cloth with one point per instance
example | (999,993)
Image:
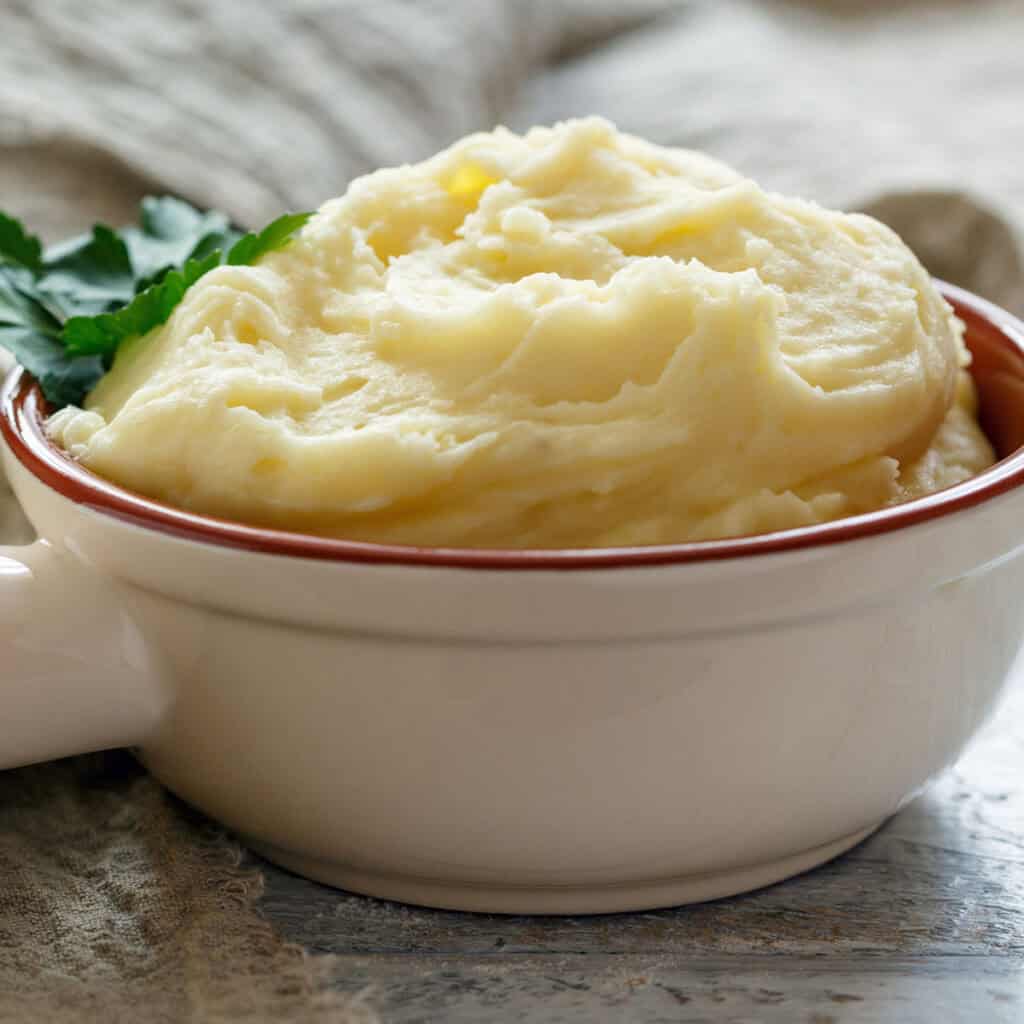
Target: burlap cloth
(119,905)
(116,903)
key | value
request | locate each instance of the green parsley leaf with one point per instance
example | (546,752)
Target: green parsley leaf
(65,311)
(171,232)
(88,275)
(18,247)
(18,308)
(103,334)
(32,335)
(249,248)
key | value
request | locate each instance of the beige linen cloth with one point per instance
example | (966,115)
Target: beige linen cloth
(116,903)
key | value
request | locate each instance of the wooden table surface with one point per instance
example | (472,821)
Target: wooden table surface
(921,924)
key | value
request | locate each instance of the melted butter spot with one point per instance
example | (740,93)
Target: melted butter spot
(247,333)
(267,466)
(386,245)
(469,182)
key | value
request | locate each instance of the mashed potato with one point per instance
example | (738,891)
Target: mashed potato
(567,338)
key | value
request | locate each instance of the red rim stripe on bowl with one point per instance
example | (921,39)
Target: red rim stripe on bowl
(996,339)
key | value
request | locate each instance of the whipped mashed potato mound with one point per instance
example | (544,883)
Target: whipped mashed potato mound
(569,338)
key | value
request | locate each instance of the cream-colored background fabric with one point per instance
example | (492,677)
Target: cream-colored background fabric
(115,904)
(913,109)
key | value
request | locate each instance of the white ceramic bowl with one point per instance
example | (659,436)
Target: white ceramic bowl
(527,732)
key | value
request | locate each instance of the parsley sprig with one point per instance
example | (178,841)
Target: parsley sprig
(65,311)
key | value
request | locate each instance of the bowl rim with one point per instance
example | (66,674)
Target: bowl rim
(23,408)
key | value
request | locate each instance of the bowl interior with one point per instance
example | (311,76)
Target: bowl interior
(998,371)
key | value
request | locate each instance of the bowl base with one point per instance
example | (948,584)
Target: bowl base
(559,899)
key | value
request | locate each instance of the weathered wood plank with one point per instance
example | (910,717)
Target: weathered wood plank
(658,990)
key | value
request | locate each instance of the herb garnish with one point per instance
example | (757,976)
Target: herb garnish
(65,311)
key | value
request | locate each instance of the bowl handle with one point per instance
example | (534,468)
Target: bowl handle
(76,675)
